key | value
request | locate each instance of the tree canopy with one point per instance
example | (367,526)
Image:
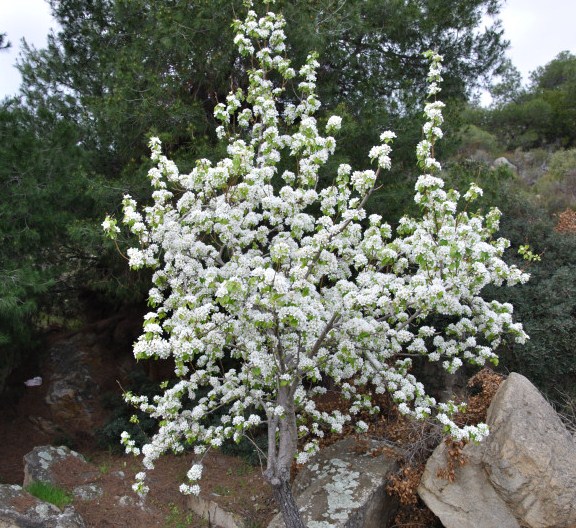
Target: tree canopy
(540,114)
(125,69)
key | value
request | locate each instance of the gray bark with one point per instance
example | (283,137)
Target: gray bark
(282,447)
(287,504)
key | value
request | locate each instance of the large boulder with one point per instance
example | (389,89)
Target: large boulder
(531,458)
(343,486)
(523,474)
(19,509)
(468,499)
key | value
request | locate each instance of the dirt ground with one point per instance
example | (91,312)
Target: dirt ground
(235,485)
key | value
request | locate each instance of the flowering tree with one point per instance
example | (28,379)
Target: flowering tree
(292,284)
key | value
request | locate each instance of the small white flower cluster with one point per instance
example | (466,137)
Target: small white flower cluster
(334,124)
(194,474)
(245,275)
(309,450)
(139,487)
(434,77)
(129,444)
(110,227)
(433,113)
(474,433)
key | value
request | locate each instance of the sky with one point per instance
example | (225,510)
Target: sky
(538,30)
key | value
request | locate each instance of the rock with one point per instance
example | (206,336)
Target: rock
(532,164)
(439,383)
(531,457)
(131,501)
(126,501)
(83,366)
(127,331)
(213,513)
(460,504)
(88,491)
(341,487)
(19,509)
(523,474)
(45,426)
(40,465)
(72,393)
(503,162)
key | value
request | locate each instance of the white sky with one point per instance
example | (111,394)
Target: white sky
(29,19)
(538,31)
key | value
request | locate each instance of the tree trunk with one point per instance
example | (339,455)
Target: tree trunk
(282,447)
(287,504)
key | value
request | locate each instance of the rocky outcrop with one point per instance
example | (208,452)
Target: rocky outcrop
(47,463)
(82,366)
(523,474)
(19,509)
(72,392)
(343,486)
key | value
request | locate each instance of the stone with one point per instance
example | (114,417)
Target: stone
(460,504)
(132,501)
(439,383)
(503,162)
(530,458)
(213,513)
(45,426)
(40,462)
(344,487)
(88,491)
(126,501)
(523,474)
(72,393)
(19,509)
(83,366)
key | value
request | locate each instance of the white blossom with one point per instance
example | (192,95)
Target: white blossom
(268,282)
(334,123)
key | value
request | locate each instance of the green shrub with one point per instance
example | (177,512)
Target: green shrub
(48,492)
(562,162)
(472,139)
(557,187)
(546,305)
(495,182)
